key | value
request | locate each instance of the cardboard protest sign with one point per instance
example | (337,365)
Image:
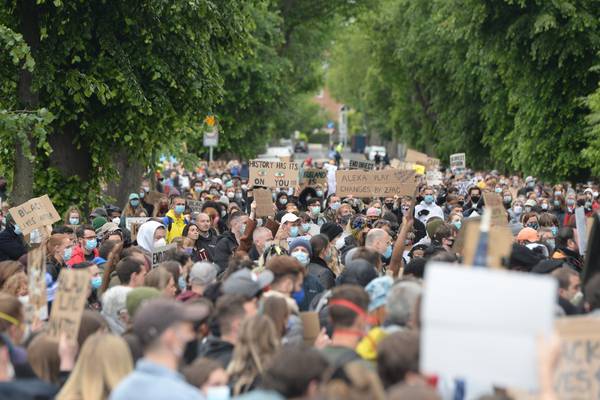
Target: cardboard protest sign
(264,202)
(419,169)
(361,164)
(384,183)
(434,178)
(34,213)
(416,157)
(36,277)
(433,164)
(129,221)
(581,225)
(491,341)
(468,238)
(285,159)
(493,202)
(158,255)
(273,174)
(592,261)
(458,160)
(314,177)
(68,305)
(578,373)
(195,206)
(153,197)
(312,327)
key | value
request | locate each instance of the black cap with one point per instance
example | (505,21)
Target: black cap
(331,230)
(357,272)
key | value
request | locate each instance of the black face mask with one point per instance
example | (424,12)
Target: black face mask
(581,202)
(475,199)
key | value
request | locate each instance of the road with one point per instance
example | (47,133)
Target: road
(319,152)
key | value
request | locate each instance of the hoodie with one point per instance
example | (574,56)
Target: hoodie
(216,349)
(174,224)
(145,236)
(11,245)
(205,247)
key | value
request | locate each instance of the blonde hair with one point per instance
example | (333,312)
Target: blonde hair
(14,283)
(158,278)
(72,209)
(257,345)
(104,361)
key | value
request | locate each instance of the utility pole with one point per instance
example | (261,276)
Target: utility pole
(344,125)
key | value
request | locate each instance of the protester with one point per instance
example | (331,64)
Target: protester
(175,221)
(86,248)
(12,245)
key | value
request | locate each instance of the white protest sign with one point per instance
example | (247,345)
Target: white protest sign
(434,178)
(273,174)
(158,255)
(458,160)
(361,164)
(581,224)
(129,221)
(482,324)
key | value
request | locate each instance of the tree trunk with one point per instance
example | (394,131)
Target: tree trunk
(129,179)
(28,100)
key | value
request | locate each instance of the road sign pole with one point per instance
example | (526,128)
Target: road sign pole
(210,154)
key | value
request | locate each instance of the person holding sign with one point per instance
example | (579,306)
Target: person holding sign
(427,208)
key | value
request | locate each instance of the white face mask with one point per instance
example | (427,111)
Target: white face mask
(116,220)
(218,393)
(340,243)
(160,243)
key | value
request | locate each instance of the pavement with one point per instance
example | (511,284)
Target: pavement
(319,152)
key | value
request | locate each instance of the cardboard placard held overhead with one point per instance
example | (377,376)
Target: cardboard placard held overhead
(493,202)
(581,226)
(468,237)
(434,178)
(386,183)
(153,197)
(68,305)
(592,261)
(577,373)
(433,164)
(135,220)
(264,202)
(458,160)
(273,174)
(416,157)
(195,206)
(36,277)
(312,327)
(314,177)
(491,341)
(158,255)
(365,165)
(34,213)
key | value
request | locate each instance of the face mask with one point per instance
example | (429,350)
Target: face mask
(67,253)
(405,210)
(319,193)
(507,199)
(197,189)
(228,184)
(298,296)
(134,203)
(181,282)
(315,210)
(527,209)
(554,230)
(244,187)
(457,224)
(146,188)
(576,300)
(142,194)
(242,229)
(74,221)
(230,195)
(498,190)
(570,202)
(218,393)
(475,199)
(238,195)
(344,219)
(24,300)
(335,206)
(428,199)
(301,256)
(556,203)
(96,282)
(588,204)
(17,229)
(290,191)
(544,206)
(595,194)
(214,192)
(339,243)
(388,252)
(91,244)
(223,213)
(116,220)
(305,227)
(518,210)
(293,231)
(283,201)
(557,194)
(259,222)
(533,225)
(179,209)
(160,243)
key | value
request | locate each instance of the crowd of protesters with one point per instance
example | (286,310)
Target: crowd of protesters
(222,316)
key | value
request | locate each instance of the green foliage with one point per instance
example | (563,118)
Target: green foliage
(501,80)
(592,153)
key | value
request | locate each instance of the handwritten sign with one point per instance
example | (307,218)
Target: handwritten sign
(135,220)
(34,213)
(384,183)
(273,174)
(468,238)
(264,202)
(68,305)
(433,164)
(416,157)
(434,178)
(314,177)
(195,206)
(158,255)
(458,160)
(361,164)
(493,201)
(578,373)
(36,276)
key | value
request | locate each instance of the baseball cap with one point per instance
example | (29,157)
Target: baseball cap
(134,196)
(531,203)
(247,283)
(157,315)
(98,212)
(378,290)
(373,212)
(527,234)
(137,296)
(289,217)
(203,273)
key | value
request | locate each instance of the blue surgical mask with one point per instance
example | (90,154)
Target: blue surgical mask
(67,253)
(181,282)
(293,231)
(96,282)
(335,206)
(507,199)
(134,203)
(142,194)
(305,227)
(179,209)
(197,189)
(498,190)
(319,193)
(554,230)
(533,225)
(428,199)
(17,229)
(242,229)
(457,224)
(556,203)
(298,296)
(91,244)
(315,210)
(283,201)
(218,393)
(551,243)
(301,256)
(74,221)
(388,252)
